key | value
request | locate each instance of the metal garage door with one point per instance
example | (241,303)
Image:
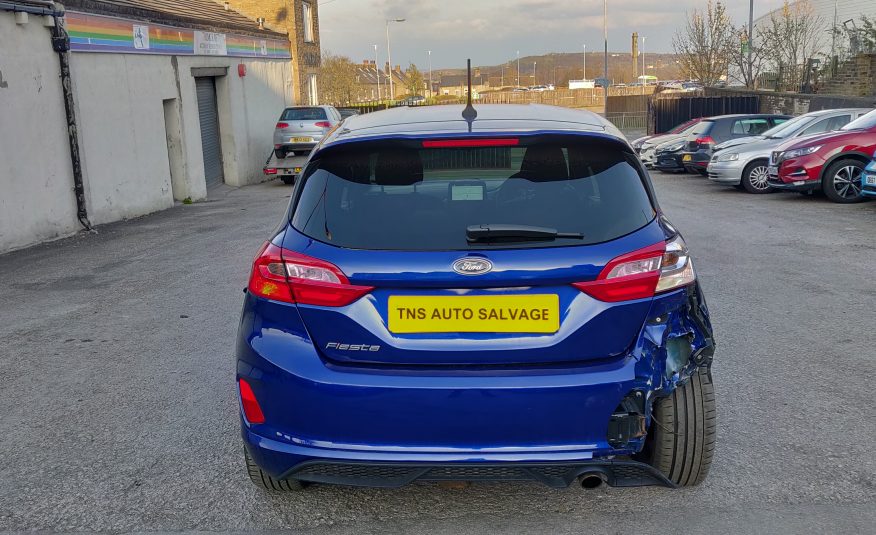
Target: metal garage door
(209,117)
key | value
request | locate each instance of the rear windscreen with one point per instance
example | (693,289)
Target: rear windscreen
(304,114)
(404,198)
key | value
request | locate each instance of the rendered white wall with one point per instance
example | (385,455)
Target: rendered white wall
(36,181)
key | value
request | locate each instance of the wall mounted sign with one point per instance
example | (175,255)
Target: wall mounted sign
(99,33)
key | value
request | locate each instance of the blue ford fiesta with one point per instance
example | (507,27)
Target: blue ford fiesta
(495,295)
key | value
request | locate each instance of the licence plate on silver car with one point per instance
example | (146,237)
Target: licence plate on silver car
(870,179)
(773,170)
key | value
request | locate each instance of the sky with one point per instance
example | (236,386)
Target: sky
(491,32)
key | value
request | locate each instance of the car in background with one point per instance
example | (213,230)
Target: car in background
(832,162)
(667,156)
(414,100)
(347,112)
(638,142)
(480,299)
(869,180)
(743,162)
(700,143)
(648,151)
(300,128)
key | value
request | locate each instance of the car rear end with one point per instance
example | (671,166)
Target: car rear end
(300,128)
(697,151)
(502,306)
(868,180)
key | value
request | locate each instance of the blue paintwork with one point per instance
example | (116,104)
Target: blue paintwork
(485,397)
(870,170)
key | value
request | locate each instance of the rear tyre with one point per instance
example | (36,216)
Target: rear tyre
(755,176)
(842,181)
(681,441)
(281,153)
(261,479)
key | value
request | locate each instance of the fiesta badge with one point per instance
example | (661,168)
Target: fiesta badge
(472,266)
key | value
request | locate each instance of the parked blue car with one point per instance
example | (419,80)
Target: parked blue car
(498,297)
(868,179)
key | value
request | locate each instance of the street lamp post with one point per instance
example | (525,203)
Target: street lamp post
(585,61)
(534,77)
(377,72)
(643,65)
(389,57)
(430,74)
(518,68)
(605,58)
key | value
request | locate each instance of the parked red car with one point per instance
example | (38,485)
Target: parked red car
(833,162)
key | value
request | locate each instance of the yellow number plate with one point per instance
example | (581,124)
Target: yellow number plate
(301,140)
(686,158)
(474,314)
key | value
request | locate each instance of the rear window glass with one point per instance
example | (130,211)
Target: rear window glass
(701,127)
(750,127)
(304,114)
(863,122)
(403,198)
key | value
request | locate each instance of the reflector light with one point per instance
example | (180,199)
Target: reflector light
(473,142)
(282,125)
(270,171)
(251,409)
(283,275)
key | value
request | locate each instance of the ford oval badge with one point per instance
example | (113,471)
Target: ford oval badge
(472,266)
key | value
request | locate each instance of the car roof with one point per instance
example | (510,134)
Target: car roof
(820,113)
(750,115)
(419,121)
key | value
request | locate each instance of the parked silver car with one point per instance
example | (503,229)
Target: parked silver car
(300,128)
(743,162)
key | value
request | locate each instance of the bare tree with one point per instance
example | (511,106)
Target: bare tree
(337,79)
(792,35)
(704,45)
(743,69)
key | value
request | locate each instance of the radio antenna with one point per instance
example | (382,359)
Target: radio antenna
(469,113)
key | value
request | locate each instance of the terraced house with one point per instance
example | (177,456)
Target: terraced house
(119,108)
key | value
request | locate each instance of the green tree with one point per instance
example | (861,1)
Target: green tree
(414,80)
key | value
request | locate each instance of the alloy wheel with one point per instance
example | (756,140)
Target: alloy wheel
(758,177)
(847,181)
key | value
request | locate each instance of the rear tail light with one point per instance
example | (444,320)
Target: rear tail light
(323,124)
(251,409)
(643,273)
(705,140)
(282,125)
(290,277)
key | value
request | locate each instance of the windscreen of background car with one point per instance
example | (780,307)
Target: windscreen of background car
(864,122)
(398,198)
(304,114)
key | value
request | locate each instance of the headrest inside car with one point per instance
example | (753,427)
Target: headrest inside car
(398,168)
(543,163)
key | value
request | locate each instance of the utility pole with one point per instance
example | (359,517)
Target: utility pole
(377,72)
(750,42)
(430,74)
(389,57)
(534,77)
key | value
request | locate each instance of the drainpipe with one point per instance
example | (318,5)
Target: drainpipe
(61,45)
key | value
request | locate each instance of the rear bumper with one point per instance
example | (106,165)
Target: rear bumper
(322,418)
(399,472)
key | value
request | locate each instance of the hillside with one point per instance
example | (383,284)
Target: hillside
(559,68)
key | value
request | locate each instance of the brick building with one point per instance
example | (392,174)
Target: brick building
(300,20)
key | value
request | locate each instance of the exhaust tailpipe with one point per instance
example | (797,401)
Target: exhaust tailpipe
(591,480)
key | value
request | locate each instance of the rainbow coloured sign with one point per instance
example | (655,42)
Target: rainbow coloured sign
(98,33)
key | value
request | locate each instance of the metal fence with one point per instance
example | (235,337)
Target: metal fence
(668,112)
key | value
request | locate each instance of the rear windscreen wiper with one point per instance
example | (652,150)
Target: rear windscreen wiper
(512,233)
